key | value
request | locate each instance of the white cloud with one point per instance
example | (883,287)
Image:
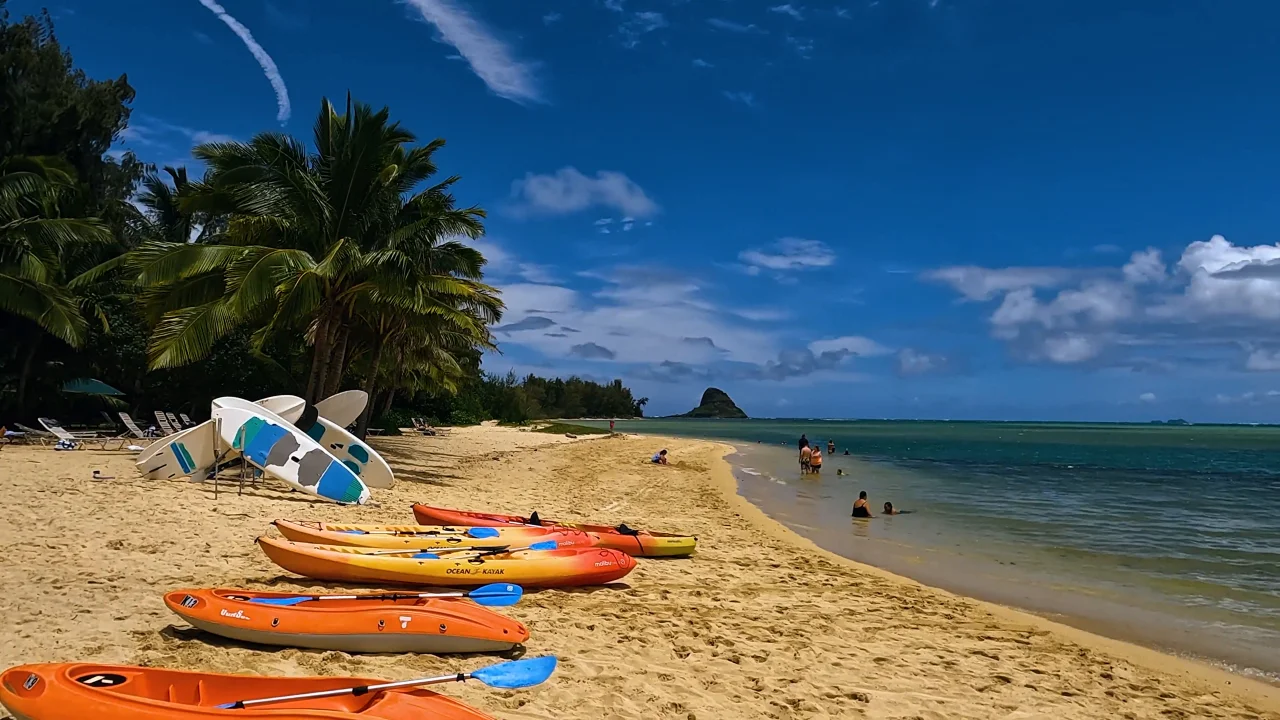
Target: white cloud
(914,362)
(568,191)
(490,59)
(979,283)
(1263,361)
(734,27)
(789,253)
(744,97)
(639,24)
(699,62)
(283,109)
(761,314)
(551,18)
(1071,348)
(1144,266)
(787,9)
(802,46)
(843,13)
(614,5)
(855,345)
(1147,397)
(1229,280)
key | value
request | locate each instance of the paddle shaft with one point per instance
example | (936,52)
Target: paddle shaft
(358,690)
(390,596)
(501,548)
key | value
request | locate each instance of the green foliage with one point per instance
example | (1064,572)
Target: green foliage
(287,268)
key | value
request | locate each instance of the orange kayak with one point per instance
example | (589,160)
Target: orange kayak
(365,625)
(84,691)
(529,568)
(427,536)
(640,543)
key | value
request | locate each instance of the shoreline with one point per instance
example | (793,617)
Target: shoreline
(759,623)
(1221,680)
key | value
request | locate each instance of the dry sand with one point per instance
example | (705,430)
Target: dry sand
(759,624)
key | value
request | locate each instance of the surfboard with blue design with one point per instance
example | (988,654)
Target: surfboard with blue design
(354,453)
(283,452)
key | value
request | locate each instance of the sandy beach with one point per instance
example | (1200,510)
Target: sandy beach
(759,624)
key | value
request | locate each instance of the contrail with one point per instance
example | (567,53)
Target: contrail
(488,56)
(268,65)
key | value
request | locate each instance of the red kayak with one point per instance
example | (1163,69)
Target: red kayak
(638,543)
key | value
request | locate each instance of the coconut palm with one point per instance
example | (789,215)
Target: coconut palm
(311,240)
(36,243)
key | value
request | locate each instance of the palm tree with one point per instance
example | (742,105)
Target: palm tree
(324,244)
(37,244)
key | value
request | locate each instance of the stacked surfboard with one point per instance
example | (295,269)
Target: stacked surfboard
(304,446)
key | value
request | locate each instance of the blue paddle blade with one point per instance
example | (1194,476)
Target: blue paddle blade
(282,600)
(426,556)
(544,545)
(482,532)
(517,674)
(352,532)
(497,595)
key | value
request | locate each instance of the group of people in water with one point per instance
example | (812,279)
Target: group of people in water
(811,463)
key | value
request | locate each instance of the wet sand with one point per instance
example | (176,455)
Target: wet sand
(760,624)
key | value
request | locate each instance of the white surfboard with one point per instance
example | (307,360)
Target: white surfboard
(190,452)
(344,408)
(273,445)
(355,454)
(288,407)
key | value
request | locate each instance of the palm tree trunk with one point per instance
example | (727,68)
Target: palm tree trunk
(27,362)
(320,362)
(338,364)
(395,383)
(370,384)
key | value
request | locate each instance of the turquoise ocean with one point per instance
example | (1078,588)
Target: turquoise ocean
(1168,536)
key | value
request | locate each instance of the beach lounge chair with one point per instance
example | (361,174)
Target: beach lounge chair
(421,426)
(79,440)
(163,421)
(186,421)
(174,423)
(33,435)
(137,432)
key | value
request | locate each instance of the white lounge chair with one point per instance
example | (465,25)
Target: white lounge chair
(80,439)
(137,432)
(162,420)
(186,421)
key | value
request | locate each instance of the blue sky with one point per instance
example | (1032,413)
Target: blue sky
(1060,209)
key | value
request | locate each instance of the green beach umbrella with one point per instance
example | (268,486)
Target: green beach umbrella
(89,386)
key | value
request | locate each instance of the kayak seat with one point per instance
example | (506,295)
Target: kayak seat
(400,706)
(186,694)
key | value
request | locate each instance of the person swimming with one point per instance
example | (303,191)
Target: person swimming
(888,510)
(862,508)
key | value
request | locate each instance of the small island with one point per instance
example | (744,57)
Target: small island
(715,404)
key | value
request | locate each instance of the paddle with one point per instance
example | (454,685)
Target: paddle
(505,676)
(430,553)
(475,532)
(495,595)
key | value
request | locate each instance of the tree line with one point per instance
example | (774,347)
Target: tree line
(287,266)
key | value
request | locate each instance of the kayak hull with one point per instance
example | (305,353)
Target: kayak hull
(81,691)
(544,569)
(395,537)
(365,625)
(642,544)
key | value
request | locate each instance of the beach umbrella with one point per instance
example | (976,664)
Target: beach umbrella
(89,386)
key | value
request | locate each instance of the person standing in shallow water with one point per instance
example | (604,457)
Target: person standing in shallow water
(831,447)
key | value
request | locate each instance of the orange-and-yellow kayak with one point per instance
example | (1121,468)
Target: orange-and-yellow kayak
(86,691)
(427,536)
(373,624)
(529,568)
(640,543)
